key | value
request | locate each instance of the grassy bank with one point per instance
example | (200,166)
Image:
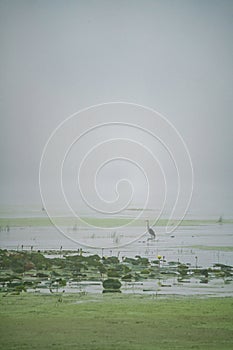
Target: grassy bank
(30,321)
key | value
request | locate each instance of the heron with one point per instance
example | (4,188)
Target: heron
(150,231)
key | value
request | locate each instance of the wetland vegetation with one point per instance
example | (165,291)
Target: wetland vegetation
(34,270)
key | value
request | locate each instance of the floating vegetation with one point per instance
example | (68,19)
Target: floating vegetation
(32,271)
(111,285)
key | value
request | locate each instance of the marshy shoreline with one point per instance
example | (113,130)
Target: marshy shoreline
(53,299)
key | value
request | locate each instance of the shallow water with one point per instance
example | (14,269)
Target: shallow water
(183,245)
(216,287)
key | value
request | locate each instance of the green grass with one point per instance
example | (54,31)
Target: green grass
(106,322)
(99,222)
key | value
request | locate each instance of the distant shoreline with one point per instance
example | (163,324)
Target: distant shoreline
(100,222)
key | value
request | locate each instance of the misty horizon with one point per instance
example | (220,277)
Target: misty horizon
(176,58)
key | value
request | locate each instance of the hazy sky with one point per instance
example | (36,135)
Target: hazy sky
(174,56)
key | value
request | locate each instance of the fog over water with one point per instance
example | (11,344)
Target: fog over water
(176,57)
